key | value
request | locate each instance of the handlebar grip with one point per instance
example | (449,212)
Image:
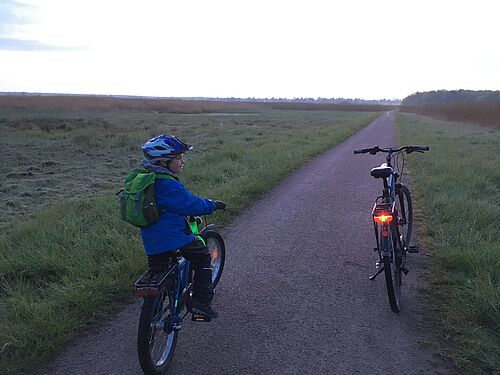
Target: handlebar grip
(423,148)
(363,150)
(419,148)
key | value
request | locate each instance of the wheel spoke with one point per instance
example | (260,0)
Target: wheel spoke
(156,342)
(405,213)
(216,247)
(392,270)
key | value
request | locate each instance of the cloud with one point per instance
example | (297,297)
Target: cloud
(13,14)
(13,44)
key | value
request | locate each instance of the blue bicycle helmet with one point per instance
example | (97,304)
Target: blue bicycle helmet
(164,147)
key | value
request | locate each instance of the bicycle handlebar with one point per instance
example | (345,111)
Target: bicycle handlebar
(376,149)
(364,150)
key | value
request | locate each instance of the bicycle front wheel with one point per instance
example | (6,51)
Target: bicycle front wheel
(156,340)
(404,209)
(392,270)
(217,248)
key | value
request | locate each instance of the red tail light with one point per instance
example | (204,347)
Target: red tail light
(383,217)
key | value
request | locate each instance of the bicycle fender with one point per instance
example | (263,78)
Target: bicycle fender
(208,228)
(385,248)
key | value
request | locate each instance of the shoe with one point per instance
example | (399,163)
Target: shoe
(204,309)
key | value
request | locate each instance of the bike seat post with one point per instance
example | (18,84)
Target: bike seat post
(389,157)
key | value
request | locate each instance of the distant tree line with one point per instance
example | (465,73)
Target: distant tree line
(41,102)
(477,107)
(451,97)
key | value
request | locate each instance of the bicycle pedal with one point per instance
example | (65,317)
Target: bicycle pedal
(413,249)
(200,318)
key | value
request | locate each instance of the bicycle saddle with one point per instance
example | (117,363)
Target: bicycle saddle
(383,171)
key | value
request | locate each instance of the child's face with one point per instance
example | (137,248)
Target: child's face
(176,164)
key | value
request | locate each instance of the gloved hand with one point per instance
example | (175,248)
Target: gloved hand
(220,205)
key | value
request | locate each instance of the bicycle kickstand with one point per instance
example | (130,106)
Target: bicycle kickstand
(372,277)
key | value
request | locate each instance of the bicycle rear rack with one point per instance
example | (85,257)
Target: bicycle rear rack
(150,283)
(382,207)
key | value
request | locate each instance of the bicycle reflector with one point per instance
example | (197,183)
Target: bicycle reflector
(144,292)
(383,217)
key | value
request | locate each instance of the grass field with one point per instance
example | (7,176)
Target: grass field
(66,259)
(458,189)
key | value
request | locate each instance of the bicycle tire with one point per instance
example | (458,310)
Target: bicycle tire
(217,248)
(155,353)
(392,270)
(404,207)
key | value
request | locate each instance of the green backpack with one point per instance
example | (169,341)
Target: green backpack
(137,199)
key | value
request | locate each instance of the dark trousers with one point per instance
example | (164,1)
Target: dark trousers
(199,256)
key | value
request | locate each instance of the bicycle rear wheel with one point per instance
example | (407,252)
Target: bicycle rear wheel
(405,213)
(392,269)
(156,340)
(217,248)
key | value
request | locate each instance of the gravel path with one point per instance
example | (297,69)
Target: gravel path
(295,296)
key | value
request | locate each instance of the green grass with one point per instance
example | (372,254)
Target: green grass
(67,264)
(458,185)
(54,156)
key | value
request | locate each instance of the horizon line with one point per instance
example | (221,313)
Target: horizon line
(28,93)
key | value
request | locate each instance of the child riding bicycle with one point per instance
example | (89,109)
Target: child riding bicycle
(165,155)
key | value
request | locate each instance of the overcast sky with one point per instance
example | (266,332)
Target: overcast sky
(249,48)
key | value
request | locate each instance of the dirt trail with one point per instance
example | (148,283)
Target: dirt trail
(295,296)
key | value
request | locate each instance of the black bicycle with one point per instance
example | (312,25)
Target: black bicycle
(166,297)
(392,219)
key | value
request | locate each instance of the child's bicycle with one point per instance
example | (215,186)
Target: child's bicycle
(166,296)
(392,216)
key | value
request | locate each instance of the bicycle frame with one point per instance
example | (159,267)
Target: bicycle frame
(391,180)
(179,271)
(184,286)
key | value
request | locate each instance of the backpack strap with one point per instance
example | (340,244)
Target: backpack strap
(165,176)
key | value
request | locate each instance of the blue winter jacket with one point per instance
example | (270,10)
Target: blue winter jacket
(171,231)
